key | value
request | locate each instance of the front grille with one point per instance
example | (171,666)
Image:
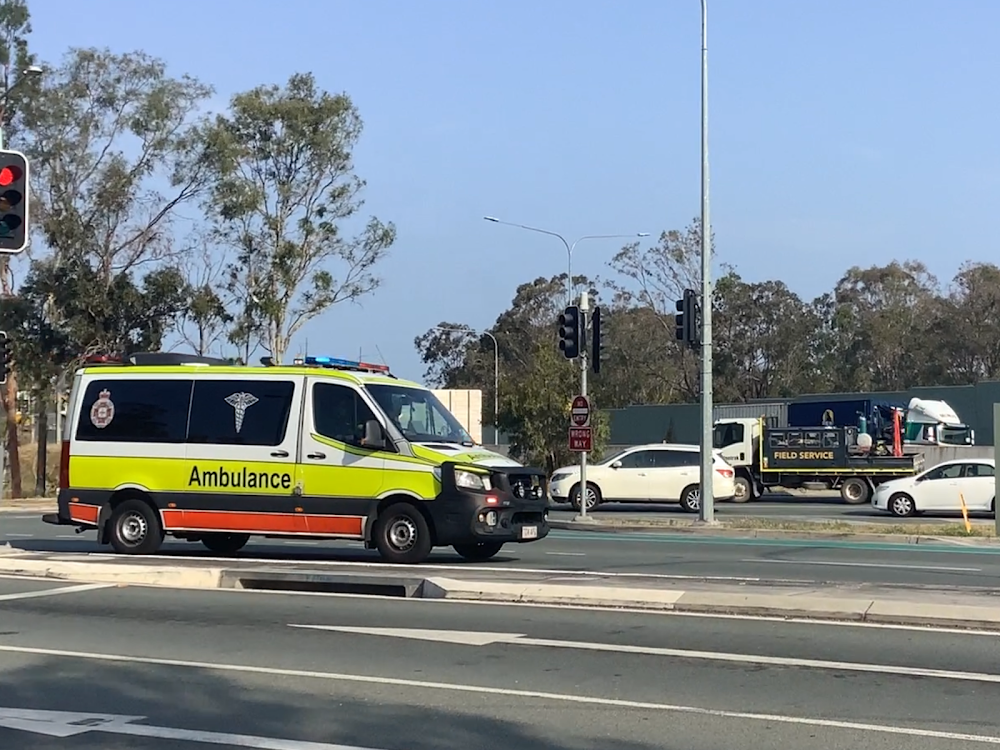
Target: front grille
(527,486)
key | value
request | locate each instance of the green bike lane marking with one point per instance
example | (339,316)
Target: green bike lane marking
(666,538)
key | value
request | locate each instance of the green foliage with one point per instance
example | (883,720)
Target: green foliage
(880,328)
(283,186)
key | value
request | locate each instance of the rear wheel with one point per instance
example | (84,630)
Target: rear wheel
(691,499)
(402,535)
(480,551)
(855,491)
(225,544)
(135,528)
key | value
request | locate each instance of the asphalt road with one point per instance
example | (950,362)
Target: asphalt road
(953,564)
(189,665)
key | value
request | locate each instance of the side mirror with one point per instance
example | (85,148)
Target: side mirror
(374,436)
(616,465)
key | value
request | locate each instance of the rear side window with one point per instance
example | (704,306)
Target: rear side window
(134,411)
(240,412)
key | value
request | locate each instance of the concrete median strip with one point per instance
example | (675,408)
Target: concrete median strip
(902,606)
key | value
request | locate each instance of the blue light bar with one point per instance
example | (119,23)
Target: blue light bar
(345,363)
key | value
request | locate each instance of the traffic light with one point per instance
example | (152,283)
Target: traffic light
(6,357)
(569,332)
(687,323)
(597,346)
(13,202)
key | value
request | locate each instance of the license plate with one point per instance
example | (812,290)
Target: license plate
(529,532)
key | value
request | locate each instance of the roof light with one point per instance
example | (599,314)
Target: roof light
(100,359)
(345,363)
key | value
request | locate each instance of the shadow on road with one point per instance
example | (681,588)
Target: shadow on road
(368,716)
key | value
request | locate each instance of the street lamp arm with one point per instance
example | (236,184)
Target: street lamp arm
(530,229)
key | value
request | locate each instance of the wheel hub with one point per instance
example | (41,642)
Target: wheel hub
(402,534)
(133,528)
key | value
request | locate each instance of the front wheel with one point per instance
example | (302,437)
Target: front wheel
(593,496)
(744,490)
(691,499)
(136,528)
(402,535)
(225,544)
(478,552)
(902,505)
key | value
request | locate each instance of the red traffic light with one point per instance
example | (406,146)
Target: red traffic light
(9,175)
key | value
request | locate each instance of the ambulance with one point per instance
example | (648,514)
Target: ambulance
(167,444)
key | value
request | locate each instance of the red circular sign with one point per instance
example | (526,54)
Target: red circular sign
(579,411)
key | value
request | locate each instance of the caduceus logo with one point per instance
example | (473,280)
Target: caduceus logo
(240,403)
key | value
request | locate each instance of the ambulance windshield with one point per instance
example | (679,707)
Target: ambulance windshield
(419,415)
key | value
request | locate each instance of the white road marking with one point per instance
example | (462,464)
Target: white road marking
(584,608)
(70,724)
(534,695)
(66,536)
(301,543)
(14,535)
(940,568)
(485,639)
(56,591)
(567,554)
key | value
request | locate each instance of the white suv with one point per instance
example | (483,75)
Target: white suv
(658,473)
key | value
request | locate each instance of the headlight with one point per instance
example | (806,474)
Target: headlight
(472,481)
(559,476)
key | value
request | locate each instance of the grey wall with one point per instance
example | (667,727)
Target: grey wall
(682,422)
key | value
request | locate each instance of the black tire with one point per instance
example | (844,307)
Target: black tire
(225,544)
(902,505)
(691,499)
(135,528)
(744,490)
(402,535)
(478,552)
(574,496)
(855,491)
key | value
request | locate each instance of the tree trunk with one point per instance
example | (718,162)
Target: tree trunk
(10,404)
(41,464)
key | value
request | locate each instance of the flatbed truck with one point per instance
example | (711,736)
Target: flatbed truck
(791,457)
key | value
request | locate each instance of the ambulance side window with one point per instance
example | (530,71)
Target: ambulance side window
(339,413)
(240,412)
(134,410)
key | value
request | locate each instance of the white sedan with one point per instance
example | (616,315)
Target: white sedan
(659,473)
(941,489)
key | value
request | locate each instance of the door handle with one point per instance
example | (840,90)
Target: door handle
(316,455)
(279,454)
(641,474)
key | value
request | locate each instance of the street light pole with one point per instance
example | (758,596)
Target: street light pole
(570,286)
(584,310)
(706,480)
(496,374)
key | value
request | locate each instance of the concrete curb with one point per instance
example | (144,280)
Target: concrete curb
(801,602)
(738,533)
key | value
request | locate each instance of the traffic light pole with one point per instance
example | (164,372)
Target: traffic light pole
(584,310)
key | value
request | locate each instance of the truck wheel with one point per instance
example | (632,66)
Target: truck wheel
(480,551)
(744,490)
(402,535)
(855,491)
(135,528)
(225,544)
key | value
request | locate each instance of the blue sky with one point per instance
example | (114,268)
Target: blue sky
(841,134)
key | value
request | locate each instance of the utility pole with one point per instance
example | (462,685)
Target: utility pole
(706,505)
